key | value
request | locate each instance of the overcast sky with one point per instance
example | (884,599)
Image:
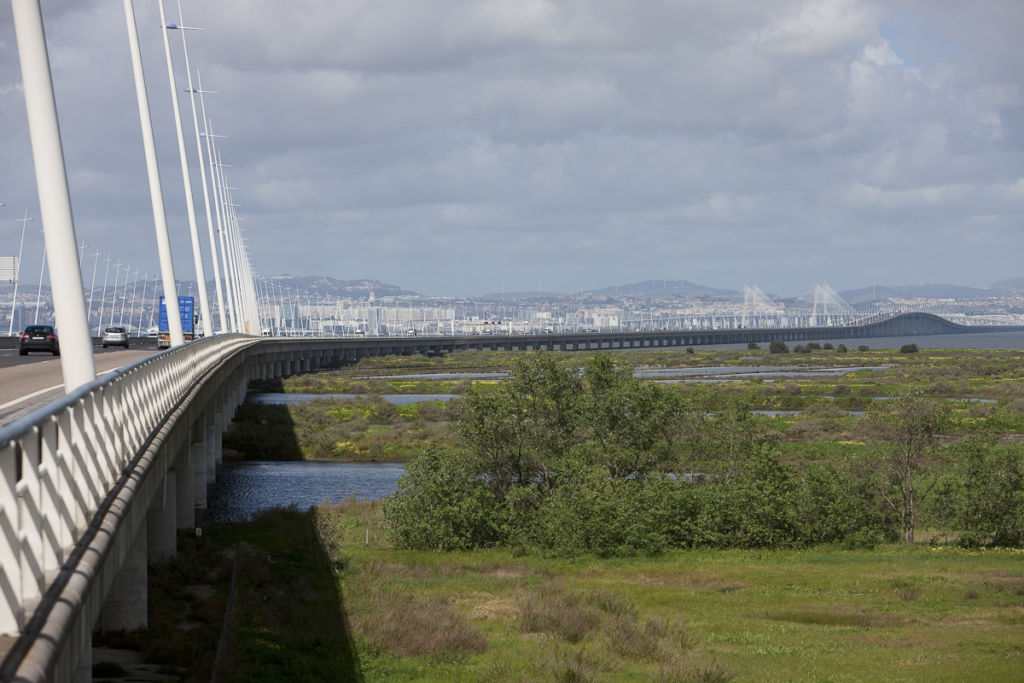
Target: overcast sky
(458,147)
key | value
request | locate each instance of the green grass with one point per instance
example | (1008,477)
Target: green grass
(893,613)
(322,596)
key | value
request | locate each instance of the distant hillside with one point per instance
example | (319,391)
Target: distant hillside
(1012,286)
(354,289)
(665,288)
(936,291)
(521,296)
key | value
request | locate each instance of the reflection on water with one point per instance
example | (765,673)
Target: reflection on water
(270,399)
(437,375)
(245,488)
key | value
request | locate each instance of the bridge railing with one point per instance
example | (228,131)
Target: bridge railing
(58,463)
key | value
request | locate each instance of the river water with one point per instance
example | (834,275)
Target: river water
(245,488)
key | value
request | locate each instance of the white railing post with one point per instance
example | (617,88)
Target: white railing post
(49,497)
(30,520)
(11,615)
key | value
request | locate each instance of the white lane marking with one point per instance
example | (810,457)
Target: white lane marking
(26,397)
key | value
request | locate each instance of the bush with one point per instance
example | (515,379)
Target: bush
(442,504)
(800,348)
(752,346)
(778,346)
(863,347)
(689,349)
(592,512)
(909,348)
(982,496)
(813,346)
(828,347)
(841,348)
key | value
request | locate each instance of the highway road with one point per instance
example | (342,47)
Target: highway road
(28,382)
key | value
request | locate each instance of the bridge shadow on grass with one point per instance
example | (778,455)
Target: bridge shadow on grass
(263,432)
(248,601)
(288,620)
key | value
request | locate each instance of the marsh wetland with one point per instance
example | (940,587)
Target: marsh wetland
(788,558)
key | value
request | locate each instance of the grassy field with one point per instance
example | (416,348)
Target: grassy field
(329,582)
(321,596)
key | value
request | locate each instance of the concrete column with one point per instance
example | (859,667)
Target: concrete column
(185,494)
(161,521)
(83,672)
(210,445)
(127,604)
(197,455)
(218,442)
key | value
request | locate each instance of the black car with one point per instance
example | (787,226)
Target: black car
(39,338)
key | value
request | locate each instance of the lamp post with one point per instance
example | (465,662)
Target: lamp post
(124,296)
(92,287)
(39,289)
(216,171)
(103,297)
(24,221)
(193,231)
(131,309)
(142,306)
(163,241)
(113,296)
(208,134)
(202,174)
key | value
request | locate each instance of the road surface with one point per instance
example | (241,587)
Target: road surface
(28,382)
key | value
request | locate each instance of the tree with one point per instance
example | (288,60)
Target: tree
(909,348)
(981,495)
(628,421)
(778,346)
(752,346)
(904,433)
(525,427)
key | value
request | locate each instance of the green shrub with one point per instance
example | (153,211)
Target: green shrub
(909,348)
(981,496)
(442,503)
(778,346)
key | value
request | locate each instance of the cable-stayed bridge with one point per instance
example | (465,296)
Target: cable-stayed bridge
(96,484)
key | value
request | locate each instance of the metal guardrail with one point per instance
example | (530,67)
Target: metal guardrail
(58,463)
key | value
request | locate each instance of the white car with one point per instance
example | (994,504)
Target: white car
(115,336)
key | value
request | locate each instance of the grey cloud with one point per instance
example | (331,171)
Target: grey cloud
(454,145)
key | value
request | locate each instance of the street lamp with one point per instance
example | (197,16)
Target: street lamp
(24,221)
(39,291)
(202,173)
(153,175)
(193,231)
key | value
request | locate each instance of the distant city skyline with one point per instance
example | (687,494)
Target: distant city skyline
(464,148)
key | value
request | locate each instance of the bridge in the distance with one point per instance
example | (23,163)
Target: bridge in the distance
(96,484)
